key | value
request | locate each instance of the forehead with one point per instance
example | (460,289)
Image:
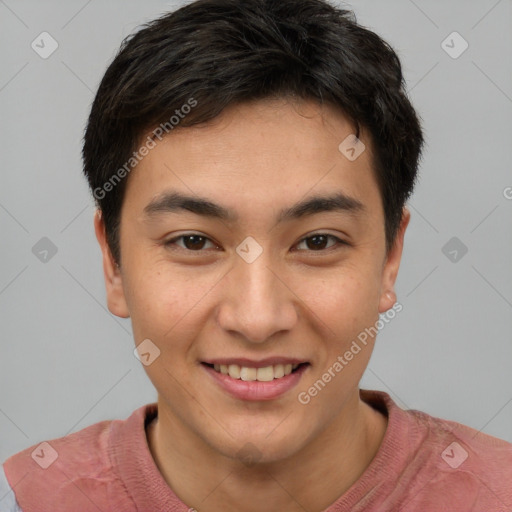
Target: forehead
(259,155)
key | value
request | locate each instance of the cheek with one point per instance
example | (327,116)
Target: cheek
(165,304)
(166,310)
(345,300)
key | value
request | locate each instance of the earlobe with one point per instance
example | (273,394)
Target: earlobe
(387,299)
(116,301)
(390,272)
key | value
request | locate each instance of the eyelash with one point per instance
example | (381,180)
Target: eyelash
(172,241)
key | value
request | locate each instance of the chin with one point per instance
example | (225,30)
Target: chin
(253,455)
(256,449)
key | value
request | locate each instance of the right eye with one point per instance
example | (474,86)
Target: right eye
(192,242)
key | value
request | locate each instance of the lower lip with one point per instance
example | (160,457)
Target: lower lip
(256,390)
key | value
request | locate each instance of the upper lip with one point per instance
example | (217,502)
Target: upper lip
(251,363)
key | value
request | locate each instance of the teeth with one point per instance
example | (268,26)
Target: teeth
(265,374)
(248,373)
(234,371)
(278,371)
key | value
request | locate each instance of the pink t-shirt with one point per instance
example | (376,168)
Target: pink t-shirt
(424,464)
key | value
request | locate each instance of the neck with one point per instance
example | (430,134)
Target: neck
(205,479)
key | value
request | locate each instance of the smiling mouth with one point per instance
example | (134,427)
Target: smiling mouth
(264,374)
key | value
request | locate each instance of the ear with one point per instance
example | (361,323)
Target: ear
(392,264)
(116,301)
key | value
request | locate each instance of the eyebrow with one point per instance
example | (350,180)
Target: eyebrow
(172,202)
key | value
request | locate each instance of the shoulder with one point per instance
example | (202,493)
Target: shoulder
(444,442)
(78,469)
(72,468)
(426,462)
(459,461)
(464,446)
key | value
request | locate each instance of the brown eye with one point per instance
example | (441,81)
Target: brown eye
(318,241)
(191,242)
(194,242)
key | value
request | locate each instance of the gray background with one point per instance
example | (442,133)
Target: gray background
(66,362)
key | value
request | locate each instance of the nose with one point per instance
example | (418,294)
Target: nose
(256,301)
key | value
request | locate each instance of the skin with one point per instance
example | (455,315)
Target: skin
(294,300)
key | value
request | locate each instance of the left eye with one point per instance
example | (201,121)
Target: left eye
(319,241)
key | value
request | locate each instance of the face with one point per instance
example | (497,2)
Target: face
(253,243)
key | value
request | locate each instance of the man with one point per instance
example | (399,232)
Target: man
(251,161)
